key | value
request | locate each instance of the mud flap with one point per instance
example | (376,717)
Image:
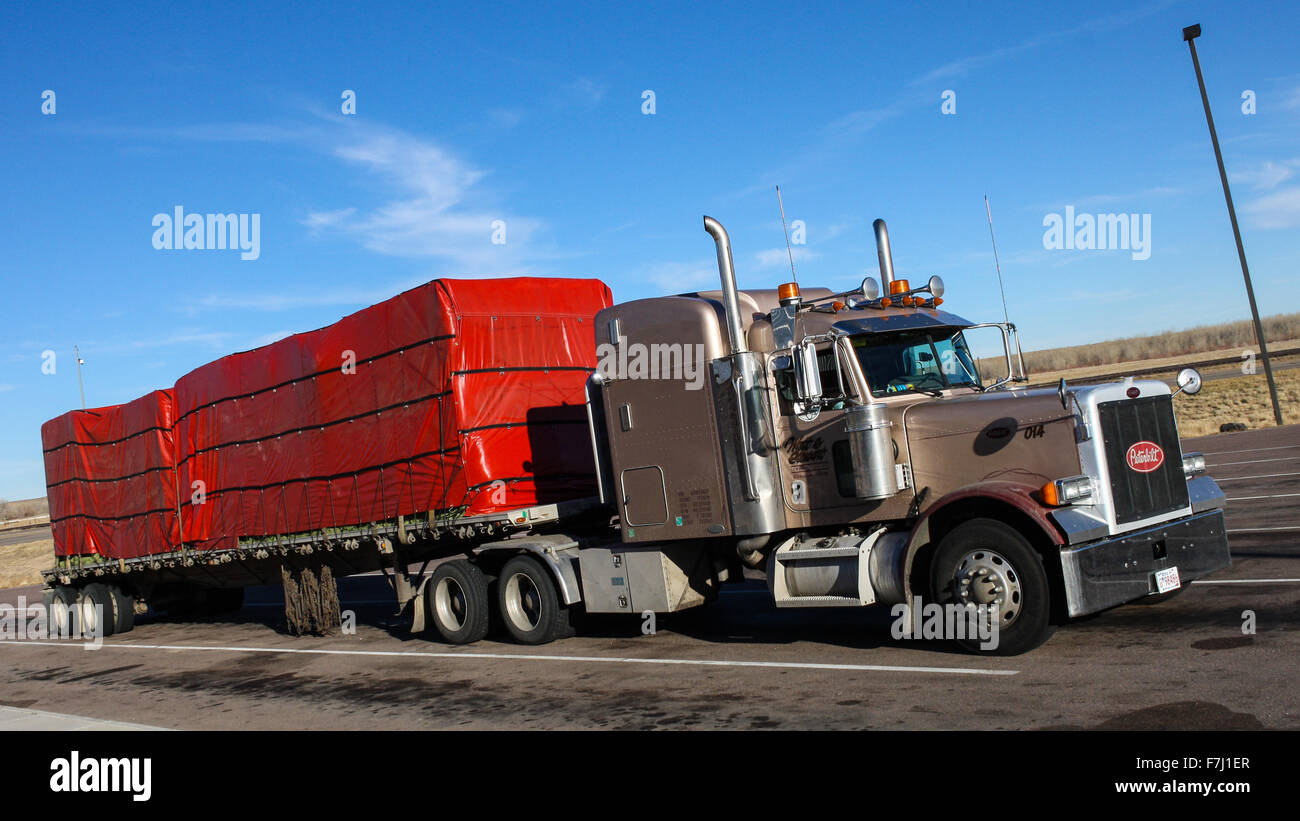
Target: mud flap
(417,608)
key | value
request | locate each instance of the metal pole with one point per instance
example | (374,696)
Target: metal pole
(1190,34)
(76,354)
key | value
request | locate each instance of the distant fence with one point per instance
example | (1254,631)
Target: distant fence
(13,524)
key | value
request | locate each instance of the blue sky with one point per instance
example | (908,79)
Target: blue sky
(482,112)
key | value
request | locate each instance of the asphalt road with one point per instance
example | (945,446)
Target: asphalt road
(1183,663)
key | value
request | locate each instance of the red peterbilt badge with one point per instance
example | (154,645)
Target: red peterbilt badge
(1145,457)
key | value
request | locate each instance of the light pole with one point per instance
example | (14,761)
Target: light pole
(1190,34)
(77,355)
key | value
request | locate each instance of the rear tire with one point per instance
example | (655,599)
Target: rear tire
(123,610)
(529,603)
(95,612)
(62,613)
(456,601)
(986,562)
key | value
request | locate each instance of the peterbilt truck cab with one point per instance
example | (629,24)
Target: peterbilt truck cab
(849,446)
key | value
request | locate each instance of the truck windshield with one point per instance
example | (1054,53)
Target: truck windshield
(922,361)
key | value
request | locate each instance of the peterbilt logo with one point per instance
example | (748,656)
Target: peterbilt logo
(1144,457)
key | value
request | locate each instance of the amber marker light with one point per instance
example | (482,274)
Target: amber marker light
(899,286)
(787,293)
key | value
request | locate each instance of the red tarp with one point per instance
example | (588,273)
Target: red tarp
(457,393)
(111,480)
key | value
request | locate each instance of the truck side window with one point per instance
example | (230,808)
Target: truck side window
(832,397)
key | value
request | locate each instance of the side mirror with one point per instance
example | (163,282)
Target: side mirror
(807,376)
(1189,381)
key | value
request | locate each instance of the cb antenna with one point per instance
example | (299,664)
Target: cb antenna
(788,249)
(989,211)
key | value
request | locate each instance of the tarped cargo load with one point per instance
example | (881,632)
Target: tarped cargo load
(455,395)
(111,481)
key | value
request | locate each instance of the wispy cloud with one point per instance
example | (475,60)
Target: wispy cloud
(844,132)
(437,211)
(346,296)
(1277,210)
(1268,175)
(680,277)
(779,256)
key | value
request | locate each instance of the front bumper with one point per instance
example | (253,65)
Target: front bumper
(1103,574)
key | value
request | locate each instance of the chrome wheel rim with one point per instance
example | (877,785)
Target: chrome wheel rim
(985,577)
(523,602)
(87,615)
(450,603)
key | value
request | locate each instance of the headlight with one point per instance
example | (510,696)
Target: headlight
(1067,491)
(1193,463)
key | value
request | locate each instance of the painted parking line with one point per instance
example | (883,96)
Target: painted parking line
(1273,496)
(1252,461)
(1262,476)
(787,665)
(1286,528)
(1246,581)
(1248,450)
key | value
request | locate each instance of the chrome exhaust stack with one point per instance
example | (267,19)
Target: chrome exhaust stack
(886,256)
(727,271)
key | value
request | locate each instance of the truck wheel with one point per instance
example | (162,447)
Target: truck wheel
(123,610)
(62,611)
(986,562)
(456,601)
(530,606)
(95,610)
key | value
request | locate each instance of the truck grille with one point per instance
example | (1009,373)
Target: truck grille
(1129,427)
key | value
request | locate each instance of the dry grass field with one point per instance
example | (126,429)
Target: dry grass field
(1237,399)
(1229,339)
(21,564)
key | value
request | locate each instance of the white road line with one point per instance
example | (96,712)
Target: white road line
(1245,581)
(798,665)
(1248,450)
(1274,496)
(1252,462)
(1263,476)
(1261,529)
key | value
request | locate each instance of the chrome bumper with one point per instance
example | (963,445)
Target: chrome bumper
(1103,574)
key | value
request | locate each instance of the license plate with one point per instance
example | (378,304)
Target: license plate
(1167,580)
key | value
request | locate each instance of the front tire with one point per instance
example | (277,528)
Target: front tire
(986,562)
(456,601)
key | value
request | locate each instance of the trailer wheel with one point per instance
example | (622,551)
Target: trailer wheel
(530,606)
(95,610)
(123,610)
(457,602)
(986,562)
(62,611)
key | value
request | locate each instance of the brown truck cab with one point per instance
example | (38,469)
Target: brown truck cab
(849,445)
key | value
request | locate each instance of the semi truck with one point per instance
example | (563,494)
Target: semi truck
(591,457)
